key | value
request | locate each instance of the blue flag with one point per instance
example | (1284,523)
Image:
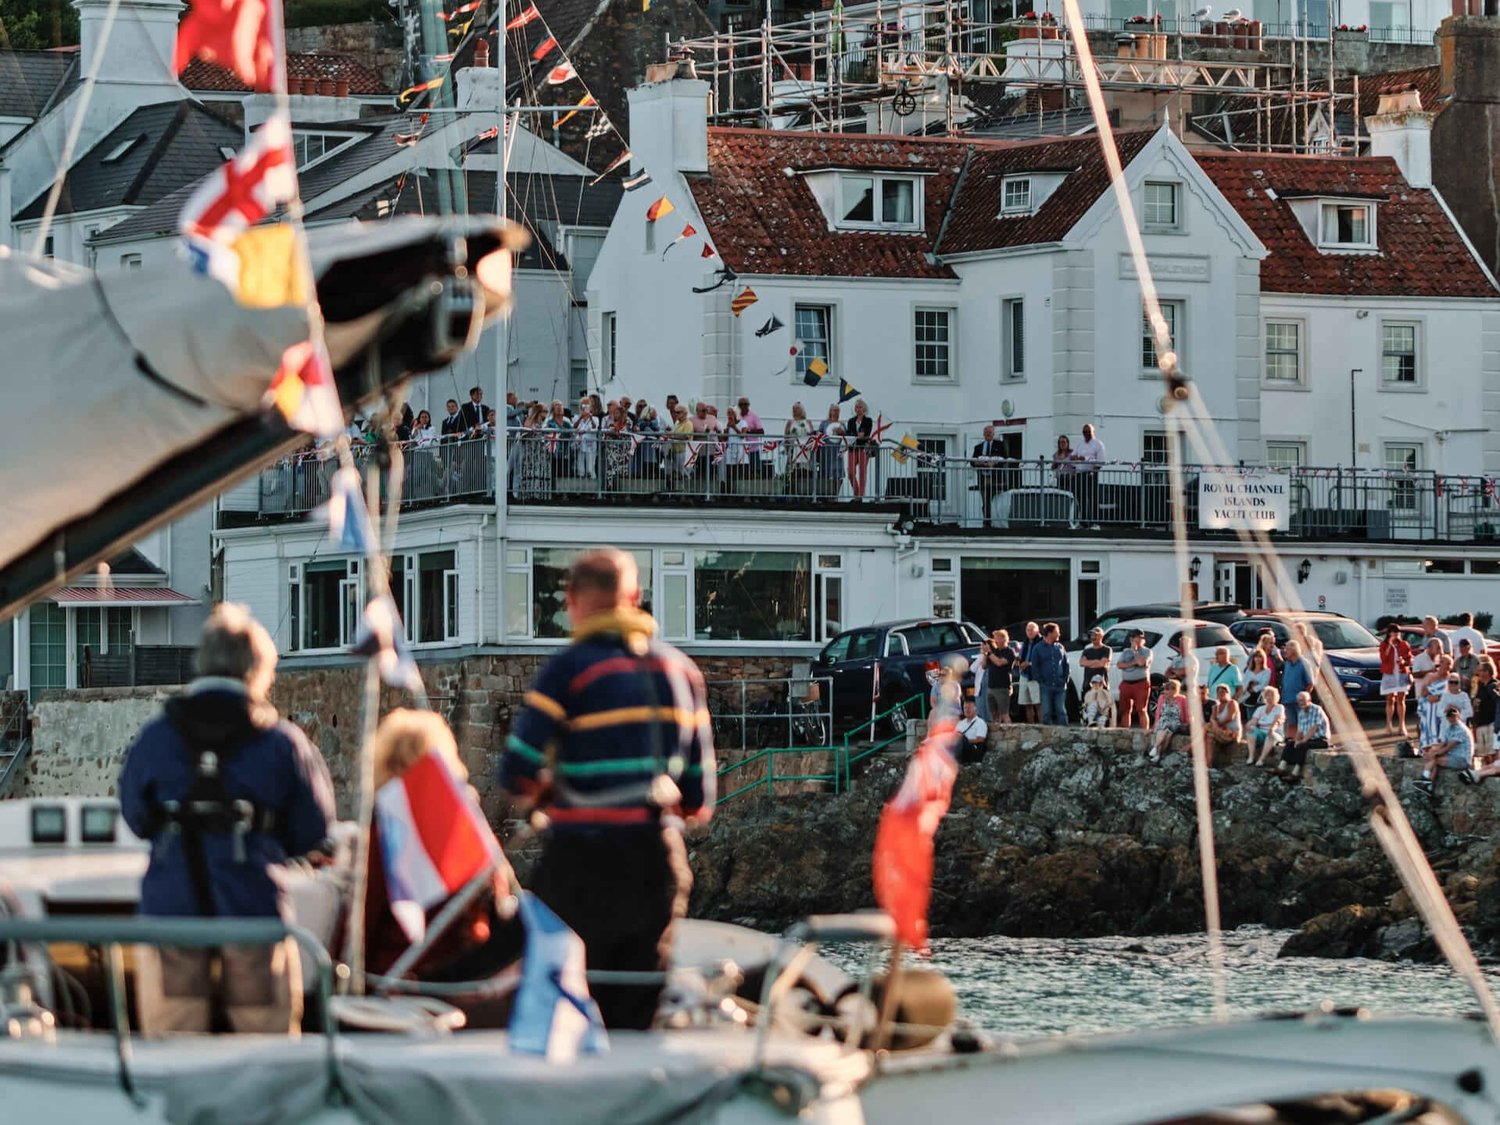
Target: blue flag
(349,523)
(554,1016)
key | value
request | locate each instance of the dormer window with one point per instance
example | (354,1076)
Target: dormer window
(879,201)
(1347,226)
(1015,195)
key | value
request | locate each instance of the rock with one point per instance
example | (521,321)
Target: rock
(1349,931)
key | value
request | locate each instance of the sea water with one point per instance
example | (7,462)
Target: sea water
(1028,987)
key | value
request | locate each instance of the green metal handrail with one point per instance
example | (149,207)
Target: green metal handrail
(847,759)
(769,756)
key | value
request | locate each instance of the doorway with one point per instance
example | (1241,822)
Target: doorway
(1239,582)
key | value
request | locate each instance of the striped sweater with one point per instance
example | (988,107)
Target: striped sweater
(609,717)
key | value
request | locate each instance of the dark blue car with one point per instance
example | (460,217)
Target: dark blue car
(1352,649)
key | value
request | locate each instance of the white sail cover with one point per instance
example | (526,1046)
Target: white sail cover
(106,376)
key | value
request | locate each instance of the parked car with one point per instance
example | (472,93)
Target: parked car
(1352,649)
(905,650)
(1161,633)
(1221,612)
(1412,634)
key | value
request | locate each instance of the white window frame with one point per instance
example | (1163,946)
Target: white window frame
(806,354)
(351,595)
(1175,310)
(609,344)
(828,567)
(1329,209)
(675,564)
(1418,381)
(344,139)
(1299,352)
(1403,498)
(130,262)
(950,344)
(1159,225)
(1016,194)
(1297,446)
(517,573)
(1012,312)
(877,189)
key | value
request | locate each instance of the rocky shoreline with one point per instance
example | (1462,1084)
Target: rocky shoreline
(1078,836)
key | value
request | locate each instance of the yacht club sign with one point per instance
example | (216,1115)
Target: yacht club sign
(1243,500)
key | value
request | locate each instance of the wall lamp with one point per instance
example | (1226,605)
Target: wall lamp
(1304,571)
(1194,567)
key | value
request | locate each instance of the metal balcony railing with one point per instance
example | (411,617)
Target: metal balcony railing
(927,488)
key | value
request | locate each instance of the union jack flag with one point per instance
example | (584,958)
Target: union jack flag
(552,441)
(770,446)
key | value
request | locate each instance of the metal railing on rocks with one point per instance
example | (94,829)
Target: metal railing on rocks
(925,487)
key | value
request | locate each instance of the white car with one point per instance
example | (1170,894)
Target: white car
(1160,633)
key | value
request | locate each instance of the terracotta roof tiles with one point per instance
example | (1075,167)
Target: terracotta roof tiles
(207,76)
(1421,252)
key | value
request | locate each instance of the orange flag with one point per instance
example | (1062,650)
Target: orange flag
(662,206)
(902,864)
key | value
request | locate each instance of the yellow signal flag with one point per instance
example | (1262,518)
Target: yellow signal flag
(908,445)
(273,273)
(818,367)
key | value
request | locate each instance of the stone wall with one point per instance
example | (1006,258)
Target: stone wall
(1061,832)
(373,45)
(80,737)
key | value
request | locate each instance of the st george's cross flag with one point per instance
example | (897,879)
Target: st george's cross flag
(524,17)
(433,839)
(239,35)
(248,188)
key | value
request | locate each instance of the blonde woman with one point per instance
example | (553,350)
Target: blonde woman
(1267,726)
(862,447)
(798,451)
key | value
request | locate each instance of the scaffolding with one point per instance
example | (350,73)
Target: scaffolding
(950,62)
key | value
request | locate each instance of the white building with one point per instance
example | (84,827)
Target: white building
(956,284)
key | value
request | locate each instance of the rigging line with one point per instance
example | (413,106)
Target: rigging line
(1167,362)
(75,129)
(1388,818)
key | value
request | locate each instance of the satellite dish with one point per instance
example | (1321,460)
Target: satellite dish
(1203,13)
(1007,408)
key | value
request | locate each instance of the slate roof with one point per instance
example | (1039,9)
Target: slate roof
(170,145)
(207,76)
(1421,252)
(376,145)
(763,217)
(30,81)
(539,202)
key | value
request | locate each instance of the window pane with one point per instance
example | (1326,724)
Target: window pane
(813,328)
(1283,359)
(1160,205)
(674,589)
(932,343)
(1284,454)
(752,596)
(1399,353)
(322,598)
(48,645)
(1017,195)
(1148,338)
(517,605)
(549,576)
(898,201)
(857,199)
(1015,338)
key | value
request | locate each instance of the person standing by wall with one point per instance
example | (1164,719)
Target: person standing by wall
(1049,662)
(614,742)
(1135,681)
(1028,691)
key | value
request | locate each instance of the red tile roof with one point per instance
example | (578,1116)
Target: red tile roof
(119,595)
(763,220)
(763,217)
(201,75)
(974,224)
(1421,253)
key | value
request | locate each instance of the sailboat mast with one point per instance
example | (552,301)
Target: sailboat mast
(502,329)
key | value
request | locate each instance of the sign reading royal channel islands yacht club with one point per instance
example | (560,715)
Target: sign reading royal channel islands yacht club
(1249,500)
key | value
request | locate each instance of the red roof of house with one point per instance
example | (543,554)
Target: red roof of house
(1421,252)
(201,75)
(763,217)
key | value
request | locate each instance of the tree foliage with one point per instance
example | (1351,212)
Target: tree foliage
(35,25)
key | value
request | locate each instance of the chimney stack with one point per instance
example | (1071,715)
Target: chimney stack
(1466,135)
(669,121)
(140,46)
(1402,130)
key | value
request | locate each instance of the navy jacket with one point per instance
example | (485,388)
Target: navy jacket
(1049,665)
(607,715)
(276,767)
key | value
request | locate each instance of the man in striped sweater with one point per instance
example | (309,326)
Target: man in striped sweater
(614,742)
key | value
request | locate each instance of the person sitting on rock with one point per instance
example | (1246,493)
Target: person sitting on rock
(973,730)
(1453,751)
(1171,718)
(1098,704)
(1311,734)
(1266,727)
(1224,723)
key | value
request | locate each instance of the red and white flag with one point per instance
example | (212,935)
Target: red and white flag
(902,863)
(879,428)
(560,74)
(239,35)
(433,839)
(304,391)
(259,177)
(523,18)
